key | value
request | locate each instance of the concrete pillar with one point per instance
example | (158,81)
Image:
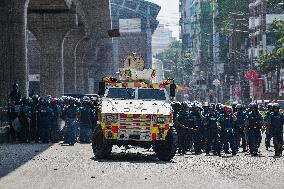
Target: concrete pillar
(69,46)
(97,13)
(103,65)
(148,61)
(50,30)
(80,54)
(115,43)
(13,50)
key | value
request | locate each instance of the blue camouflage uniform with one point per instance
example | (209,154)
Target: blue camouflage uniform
(268,135)
(44,120)
(212,134)
(24,118)
(55,123)
(69,114)
(254,131)
(182,118)
(276,131)
(227,132)
(85,124)
(240,130)
(195,122)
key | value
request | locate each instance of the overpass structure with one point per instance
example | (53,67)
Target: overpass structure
(70,33)
(141,17)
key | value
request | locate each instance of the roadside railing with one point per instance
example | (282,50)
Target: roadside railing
(4,128)
(3,117)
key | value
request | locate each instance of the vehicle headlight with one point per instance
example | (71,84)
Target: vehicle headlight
(109,119)
(161,120)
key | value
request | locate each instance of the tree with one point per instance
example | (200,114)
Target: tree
(177,64)
(274,61)
(276,3)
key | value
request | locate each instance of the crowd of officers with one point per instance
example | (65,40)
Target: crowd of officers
(37,119)
(201,128)
(217,128)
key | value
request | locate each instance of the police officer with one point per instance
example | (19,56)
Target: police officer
(195,122)
(176,106)
(266,122)
(12,115)
(276,129)
(13,109)
(240,127)
(24,118)
(34,119)
(85,120)
(55,120)
(96,106)
(181,123)
(44,120)
(70,114)
(226,122)
(205,108)
(211,131)
(254,124)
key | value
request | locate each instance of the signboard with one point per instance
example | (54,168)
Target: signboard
(130,25)
(34,77)
(216,82)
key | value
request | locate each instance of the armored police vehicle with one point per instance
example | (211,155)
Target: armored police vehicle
(135,111)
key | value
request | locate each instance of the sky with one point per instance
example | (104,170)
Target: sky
(169,14)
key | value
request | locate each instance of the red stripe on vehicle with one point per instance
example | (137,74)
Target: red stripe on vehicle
(167,127)
(154,136)
(114,129)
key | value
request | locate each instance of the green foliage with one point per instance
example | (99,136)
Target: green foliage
(273,61)
(236,11)
(276,3)
(175,60)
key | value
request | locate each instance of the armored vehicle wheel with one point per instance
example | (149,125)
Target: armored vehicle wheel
(166,150)
(101,147)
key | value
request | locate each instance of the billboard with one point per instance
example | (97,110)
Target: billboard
(130,25)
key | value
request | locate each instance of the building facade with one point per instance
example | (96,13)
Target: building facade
(262,15)
(161,39)
(196,25)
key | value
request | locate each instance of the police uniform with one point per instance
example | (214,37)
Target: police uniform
(268,137)
(44,120)
(85,124)
(195,122)
(182,118)
(212,135)
(240,130)
(227,132)
(54,123)
(34,120)
(69,114)
(24,118)
(254,131)
(276,131)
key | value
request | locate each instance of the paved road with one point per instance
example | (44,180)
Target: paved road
(56,166)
